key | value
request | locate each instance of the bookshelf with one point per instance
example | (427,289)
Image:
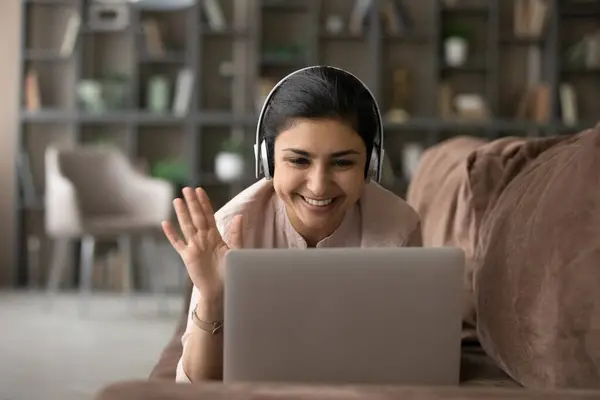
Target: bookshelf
(259,41)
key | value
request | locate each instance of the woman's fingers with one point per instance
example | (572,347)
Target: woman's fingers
(195,209)
(209,213)
(184,219)
(172,236)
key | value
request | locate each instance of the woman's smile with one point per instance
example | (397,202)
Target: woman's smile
(321,205)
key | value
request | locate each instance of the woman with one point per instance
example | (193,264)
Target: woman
(318,145)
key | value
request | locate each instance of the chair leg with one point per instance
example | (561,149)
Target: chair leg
(88,244)
(33,262)
(58,264)
(154,264)
(124,244)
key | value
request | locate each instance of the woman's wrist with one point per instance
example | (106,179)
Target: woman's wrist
(210,292)
(209,311)
(210,305)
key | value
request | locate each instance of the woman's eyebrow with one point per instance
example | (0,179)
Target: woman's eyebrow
(336,154)
(299,152)
(344,153)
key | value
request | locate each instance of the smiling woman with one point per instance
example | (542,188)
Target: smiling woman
(319,147)
(319,175)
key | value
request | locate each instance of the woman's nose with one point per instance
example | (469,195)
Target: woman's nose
(318,181)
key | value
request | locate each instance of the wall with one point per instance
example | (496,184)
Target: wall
(9,73)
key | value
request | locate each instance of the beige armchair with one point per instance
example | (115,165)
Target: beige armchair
(93,192)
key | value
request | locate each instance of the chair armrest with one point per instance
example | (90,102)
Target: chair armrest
(152,197)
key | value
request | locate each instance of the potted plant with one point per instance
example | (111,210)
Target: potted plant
(115,90)
(172,170)
(456,44)
(229,162)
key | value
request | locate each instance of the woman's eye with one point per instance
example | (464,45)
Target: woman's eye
(343,163)
(299,161)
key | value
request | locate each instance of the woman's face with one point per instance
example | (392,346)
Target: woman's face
(319,174)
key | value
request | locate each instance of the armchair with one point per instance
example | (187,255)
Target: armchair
(93,192)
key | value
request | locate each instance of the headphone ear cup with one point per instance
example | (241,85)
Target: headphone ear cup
(373,165)
(264,159)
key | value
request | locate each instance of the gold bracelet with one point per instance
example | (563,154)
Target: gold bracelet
(214,327)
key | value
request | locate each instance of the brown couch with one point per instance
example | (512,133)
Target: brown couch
(527,213)
(522,211)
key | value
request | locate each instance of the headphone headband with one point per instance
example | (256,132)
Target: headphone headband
(260,150)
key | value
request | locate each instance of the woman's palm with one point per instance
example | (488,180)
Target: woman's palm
(203,247)
(206,247)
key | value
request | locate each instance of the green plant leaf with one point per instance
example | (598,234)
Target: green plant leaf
(455,29)
(171,170)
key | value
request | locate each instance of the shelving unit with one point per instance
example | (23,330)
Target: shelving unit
(221,107)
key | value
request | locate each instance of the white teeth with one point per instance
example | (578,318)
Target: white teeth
(318,203)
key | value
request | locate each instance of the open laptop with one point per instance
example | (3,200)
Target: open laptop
(344,315)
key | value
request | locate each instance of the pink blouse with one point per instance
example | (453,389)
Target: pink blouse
(379,219)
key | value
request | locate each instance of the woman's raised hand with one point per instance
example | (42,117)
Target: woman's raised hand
(202,248)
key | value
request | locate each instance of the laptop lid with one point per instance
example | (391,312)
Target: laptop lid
(345,315)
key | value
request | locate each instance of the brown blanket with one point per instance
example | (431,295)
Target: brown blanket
(526,211)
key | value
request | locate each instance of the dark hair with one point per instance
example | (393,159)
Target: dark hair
(321,92)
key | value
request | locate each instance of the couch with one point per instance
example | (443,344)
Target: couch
(523,211)
(527,213)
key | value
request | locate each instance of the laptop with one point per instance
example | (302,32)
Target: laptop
(343,315)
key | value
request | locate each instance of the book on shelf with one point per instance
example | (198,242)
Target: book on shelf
(397,17)
(530,17)
(154,42)
(542,103)
(214,15)
(534,66)
(471,107)
(70,35)
(394,13)
(33,100)
(568,104)
(535,104)
(592,49)
(445,107)
(585,53)
(183,92)
(358,15)
(29,191)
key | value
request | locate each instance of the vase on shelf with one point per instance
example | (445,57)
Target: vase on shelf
(456,50)
(229,163)
(229,166)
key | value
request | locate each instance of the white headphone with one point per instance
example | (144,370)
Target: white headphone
(262,160)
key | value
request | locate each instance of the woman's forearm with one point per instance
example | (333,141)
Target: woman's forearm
(203,350)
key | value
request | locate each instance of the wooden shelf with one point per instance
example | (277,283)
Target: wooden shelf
(223,105)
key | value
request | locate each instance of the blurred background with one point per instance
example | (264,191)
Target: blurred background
(111,107)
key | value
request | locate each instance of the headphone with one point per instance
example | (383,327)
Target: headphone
(261,152)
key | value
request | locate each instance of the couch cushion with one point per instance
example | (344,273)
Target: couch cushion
(537,260)
(439,191)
